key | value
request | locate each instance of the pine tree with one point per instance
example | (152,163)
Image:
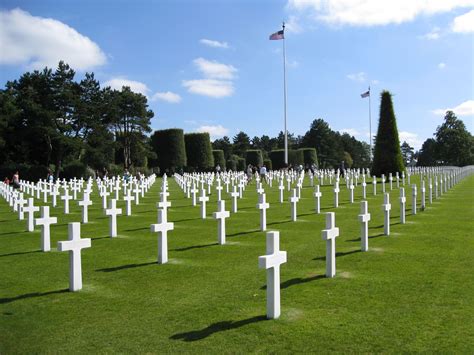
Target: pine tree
(387,153)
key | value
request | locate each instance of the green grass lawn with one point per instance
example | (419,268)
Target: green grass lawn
(412,291)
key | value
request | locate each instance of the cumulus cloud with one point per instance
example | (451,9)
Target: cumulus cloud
(351,131)
(433,34)
(38,42)
(441,65)
(411,138)
(135,86)
(464,23)
(292,25)
(360,77)
(465,108)
(167,96)
(217,131)
(214,44)
(373,12)
(210,87)
(215,70)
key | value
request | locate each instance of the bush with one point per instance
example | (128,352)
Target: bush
(387,153)
(219,158)
(309,156)
(170,149)
(254,157)
(199,151)
(241,164)
(232,164)
(278,159)
(268,164)
(27,172)
(74,169)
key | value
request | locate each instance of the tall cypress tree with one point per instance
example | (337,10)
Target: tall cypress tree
(387,153)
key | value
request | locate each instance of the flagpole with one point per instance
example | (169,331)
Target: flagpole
(284,95)
(370,128)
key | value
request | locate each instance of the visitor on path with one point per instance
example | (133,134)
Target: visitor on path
(50,177)
(249,172)
(126,175)
(16,180)
(218,168)
(6,181)
(263,173)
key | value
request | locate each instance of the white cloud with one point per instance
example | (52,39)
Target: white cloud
(293,64)
(38,42)
(167,96)
(135,86)
(217,131)
(293,26)
(214,44)
(210,87)
(215,70)
(441,65)
(464,23)
(373,12)
(432,35)
(351,131)
(360,77)
(375,82)
(463,109)
(411,138)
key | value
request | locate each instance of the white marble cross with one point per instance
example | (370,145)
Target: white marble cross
(194,192)
(234,195)
(282,189)
(128,198)
(364,219)
(162,229)
(219,189)
(164,203)
(430,193)
(403,201)
(329,235)
(137,191)
(20,203)
(45,221)
(55,194)
(66,197)
(203,199)
(263,206)
(271,262)
(413,196)
(386,207)
(351,195)
(423,195)
(374,182)
(317,195)
(113,212)
(336,195)
(31,209)
(221,215)
(383,183)
(260,189)
(294,200)
(364,188)
(74,246)
(104,195)
(85,203)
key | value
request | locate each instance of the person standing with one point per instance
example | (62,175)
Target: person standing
(16,180)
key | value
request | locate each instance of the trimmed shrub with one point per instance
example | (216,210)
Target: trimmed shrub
(241,166)
(27,172)
(387,153)
(268,164)
(219,159)
(232,164)
(278,158)
(169,146)
(199,151)
(74,169)
(254,157)
(309,156)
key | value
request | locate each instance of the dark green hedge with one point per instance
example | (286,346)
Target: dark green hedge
(254,157)
(241,165)
(73,169)
(232,164)
(27,172)
(309,156)
(170,149)
(387,153)
(219,158)
(268,164)
(295,157)
(199,151)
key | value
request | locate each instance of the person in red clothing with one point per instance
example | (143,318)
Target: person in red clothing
(6,181)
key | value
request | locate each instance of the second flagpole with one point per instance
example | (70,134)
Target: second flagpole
(284,96)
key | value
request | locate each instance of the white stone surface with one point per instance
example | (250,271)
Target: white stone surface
(162,229)
(294,201)
(234,194)
(413,198)
(317,195)
(329,235)
(128,198)
(74,245)
(364,219)
(113,212)
(263,205)
(386,207)
(45,221)
(203,199)
(66,197)
(85,203)
(221,216)
(403,201)
(30,209)
(272,262)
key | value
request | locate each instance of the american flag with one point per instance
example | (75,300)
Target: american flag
(365,94)
(277,35)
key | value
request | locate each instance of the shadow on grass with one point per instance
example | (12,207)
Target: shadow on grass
(215,328)
(338,254)
(186,220)
(297,281)
(243,233)
(21,253)
(31,295)
(8,233)
(137,229)
(370,237)
(281,222)
(195,247)
(98,238)
(123,267)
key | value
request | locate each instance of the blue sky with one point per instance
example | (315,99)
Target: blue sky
(208,65)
